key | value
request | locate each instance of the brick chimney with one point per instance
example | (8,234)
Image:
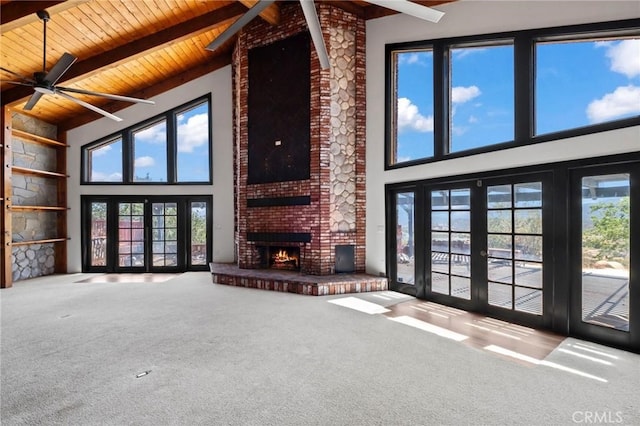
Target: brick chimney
(300,173)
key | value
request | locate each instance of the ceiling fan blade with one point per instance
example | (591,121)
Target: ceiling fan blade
(239,23)
(309,10)
(87,105)
(409,8)
(17,75)
(104,95)
(21,83)
(60,68)
(32,101)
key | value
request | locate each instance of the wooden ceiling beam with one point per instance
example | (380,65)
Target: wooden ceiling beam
(350,7)
(169,83)
(15,10)
(373,12)
(18,13)
(141,46)
(271,14)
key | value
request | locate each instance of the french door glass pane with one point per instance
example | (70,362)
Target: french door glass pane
(198,233)
(98,234)
(451,242)
(514,246)
(131,234)
(164,223)
(405,217)
(606,250)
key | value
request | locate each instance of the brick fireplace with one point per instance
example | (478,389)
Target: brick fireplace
(300,169)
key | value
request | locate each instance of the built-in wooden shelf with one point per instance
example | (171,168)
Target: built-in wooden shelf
(35,138)
(45,173)
(49,240)
(36,208)
(54,153)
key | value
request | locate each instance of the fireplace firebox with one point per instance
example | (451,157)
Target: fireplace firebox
(285,258)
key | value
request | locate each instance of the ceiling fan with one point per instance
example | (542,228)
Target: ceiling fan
(44,83)
(309,10)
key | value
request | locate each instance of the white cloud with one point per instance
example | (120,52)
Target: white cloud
(103,177)
(155,134)
(103,150)
(623,101)
(193,133)
(414,58)
(463,52)
(625,57)
(462,94)
(144,161)
(458,130)
(473,119)
(409,117)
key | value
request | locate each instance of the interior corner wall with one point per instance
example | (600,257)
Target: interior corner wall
(461,19)
(218,83)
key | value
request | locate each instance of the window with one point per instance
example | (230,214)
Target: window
(150,153)
(193,144)
(449,98)
(104,161)
(580,83)
(413,118)
(174,147)
(481,96)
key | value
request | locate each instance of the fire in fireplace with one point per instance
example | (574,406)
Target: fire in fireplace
(277,257)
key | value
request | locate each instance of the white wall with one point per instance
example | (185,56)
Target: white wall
(474,17)
(217,83)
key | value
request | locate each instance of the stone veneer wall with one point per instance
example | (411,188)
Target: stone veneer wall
(33,260)
(336,213)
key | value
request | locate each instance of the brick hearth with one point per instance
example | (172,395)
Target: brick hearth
(295,282)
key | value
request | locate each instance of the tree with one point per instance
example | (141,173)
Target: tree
(609,235)
(198,227)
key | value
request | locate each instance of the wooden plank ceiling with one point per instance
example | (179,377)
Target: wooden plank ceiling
(125,47)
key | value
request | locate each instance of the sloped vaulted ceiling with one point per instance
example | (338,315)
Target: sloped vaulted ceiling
(126,47)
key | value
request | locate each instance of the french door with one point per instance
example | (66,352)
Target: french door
(146,234)
(556,246)
(479,244)
(605,249)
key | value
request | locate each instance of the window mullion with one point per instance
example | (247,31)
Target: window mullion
(127,157)
(441,81)
(172,142)
(524,63)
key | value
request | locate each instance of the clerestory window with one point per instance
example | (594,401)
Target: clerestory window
(172,148)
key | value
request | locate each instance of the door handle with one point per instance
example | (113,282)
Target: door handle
(483,253)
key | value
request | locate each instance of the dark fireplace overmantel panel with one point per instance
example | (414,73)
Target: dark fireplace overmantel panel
(286,185)
(279,116)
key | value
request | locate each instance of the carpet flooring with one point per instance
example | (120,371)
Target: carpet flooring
(185,351)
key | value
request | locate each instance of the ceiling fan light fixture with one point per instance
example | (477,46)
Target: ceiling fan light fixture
(44,90)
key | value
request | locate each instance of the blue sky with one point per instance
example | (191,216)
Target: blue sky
(150,151)
(577,84)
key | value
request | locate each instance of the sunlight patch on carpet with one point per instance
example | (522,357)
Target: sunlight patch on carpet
(360,305)
(129,278)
